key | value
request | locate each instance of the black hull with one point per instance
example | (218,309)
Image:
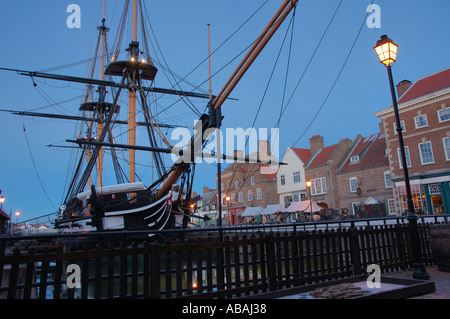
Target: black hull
(160,215)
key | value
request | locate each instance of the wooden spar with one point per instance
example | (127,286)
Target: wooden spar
(174,151)
(132,109)
(88,151)
(249,58)
(254,51)
(105,83)
(82,118)
(209,64)
(102,77)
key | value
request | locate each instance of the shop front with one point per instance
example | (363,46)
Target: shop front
(430,196)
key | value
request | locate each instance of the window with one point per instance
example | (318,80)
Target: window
(353,184)
(408,159)
(421,121)
(354,159)
(236,184)
(319,186)
(416,196)
(258,193)
(434,189)
(296,197)
(241,197)
(444,115)
(233,198)
(402,124)
(426,153)
(387,179)
(252,180)
(283,180)
(296,177)
(391,206)
(446,141)
(356,208)
(287,200)
(250,195)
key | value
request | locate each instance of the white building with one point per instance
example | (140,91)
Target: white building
(291,177)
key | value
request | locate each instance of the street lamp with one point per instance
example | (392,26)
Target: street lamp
(228,198)
(386,51)
(308,184)
(17,215)
(2,200)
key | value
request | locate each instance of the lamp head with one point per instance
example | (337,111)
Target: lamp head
(386,50)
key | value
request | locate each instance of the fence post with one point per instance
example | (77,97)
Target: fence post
(155,272)
(271,263)
(354,250)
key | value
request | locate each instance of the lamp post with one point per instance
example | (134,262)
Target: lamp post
(17,215)
(386,51)
(228,198)
(308,184)
(2,200)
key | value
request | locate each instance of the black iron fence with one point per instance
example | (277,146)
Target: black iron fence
(205,266)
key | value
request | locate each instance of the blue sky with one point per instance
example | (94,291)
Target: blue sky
(34,36)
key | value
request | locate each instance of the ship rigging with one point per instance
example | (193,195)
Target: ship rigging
(130,205)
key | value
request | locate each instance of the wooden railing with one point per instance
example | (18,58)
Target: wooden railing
(209,268)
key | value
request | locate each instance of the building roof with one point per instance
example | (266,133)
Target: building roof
(303,153)
(371,151)
(322,156)
(209,198)
(269,173)
(426,85)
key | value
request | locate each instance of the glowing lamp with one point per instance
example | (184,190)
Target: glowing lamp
(386,50)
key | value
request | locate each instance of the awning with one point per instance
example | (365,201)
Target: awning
(272,209)
(252,211)
(303,206)
(371,200)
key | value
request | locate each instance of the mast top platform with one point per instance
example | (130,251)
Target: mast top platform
(102,107)
(147,71)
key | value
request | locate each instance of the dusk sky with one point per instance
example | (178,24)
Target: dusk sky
(342,83)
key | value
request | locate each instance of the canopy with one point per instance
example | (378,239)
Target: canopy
(272,209)
(302,206)
(371,200)
(252,211)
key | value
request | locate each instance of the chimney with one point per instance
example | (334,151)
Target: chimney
(239,155)
(402,87)
(205,190)
(316,143)
(263,149)
(381,127)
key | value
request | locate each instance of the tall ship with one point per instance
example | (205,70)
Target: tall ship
(129,75)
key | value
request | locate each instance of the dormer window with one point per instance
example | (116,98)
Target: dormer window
(354,159)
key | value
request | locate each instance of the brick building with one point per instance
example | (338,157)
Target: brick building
(322,167)
(248,185)
(424,108)
(364,178)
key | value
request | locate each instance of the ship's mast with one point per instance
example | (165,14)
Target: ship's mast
(132,100)
(103,30)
